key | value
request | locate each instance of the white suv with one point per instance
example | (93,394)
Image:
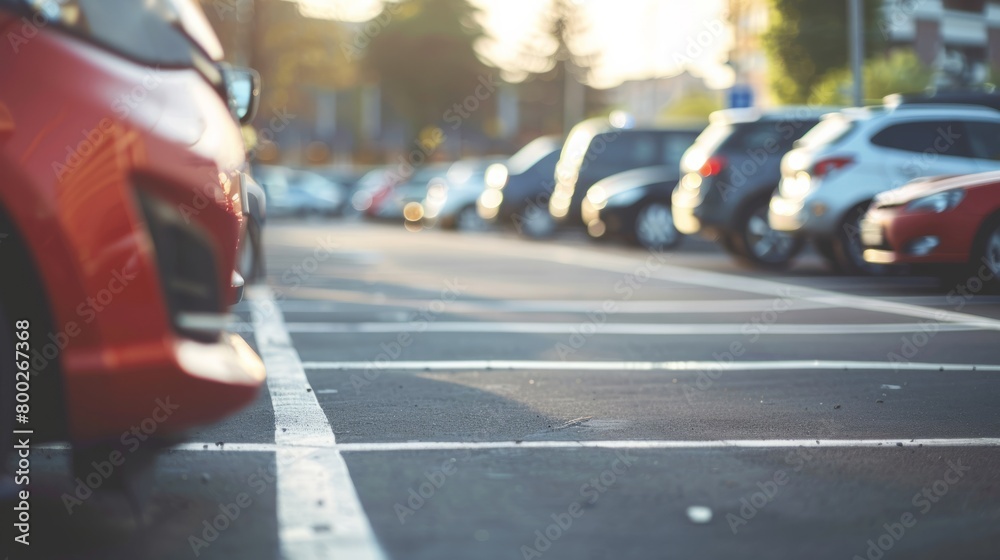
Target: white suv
(839,166)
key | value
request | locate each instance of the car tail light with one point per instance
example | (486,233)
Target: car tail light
(824,167)
(712,167)
(187,270)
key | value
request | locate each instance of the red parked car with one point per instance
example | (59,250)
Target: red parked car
(946,225)
(121,211)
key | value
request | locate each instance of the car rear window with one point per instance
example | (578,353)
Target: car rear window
(830,131)
(767,134)
(532,154)
(634,149)
(713,136)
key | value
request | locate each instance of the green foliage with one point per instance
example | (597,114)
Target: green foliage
(809,38)
(424,56)
(899,72)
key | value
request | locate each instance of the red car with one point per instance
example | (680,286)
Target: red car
(121,211)
(947,225)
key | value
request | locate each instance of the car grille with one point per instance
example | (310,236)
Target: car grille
(186,266)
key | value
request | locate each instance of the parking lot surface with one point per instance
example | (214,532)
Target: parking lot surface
(438,396)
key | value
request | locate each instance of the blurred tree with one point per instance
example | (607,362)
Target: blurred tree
(808,39)
(300,62)
(899,72)
(292,51)
(553,60)
(423,54)
(296,54)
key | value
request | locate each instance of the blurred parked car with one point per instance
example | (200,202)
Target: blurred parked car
(836,170)
(292,192)
(367,186)
(635,206)
(597,149)
(729,176)
(401,198)
(948,226)
(123,214)
(518,191)
(452,204)
(346,178)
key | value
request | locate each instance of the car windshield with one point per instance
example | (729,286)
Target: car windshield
(157,32)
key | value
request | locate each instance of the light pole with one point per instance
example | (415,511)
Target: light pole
(574,97)
(857,43)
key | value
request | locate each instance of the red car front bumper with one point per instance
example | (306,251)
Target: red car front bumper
(92,137)
(889,235)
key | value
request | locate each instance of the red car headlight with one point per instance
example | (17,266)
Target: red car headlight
(937,203)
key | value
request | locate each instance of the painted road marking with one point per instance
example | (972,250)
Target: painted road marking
(654,266)
(632,307)
(633,329)
(606,444)
(612,444)
(553,365)
(319,513)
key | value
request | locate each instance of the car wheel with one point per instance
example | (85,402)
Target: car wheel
(848,249)
(654,228)
(988,255)
(730,244)
(761,246)
(7,386)
(535,222)
(468,220)
(23,298)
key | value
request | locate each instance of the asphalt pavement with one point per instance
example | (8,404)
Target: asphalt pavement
(435,396)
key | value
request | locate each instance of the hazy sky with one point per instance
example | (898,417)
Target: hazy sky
(636,38)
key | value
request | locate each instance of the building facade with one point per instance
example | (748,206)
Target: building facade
(959,38)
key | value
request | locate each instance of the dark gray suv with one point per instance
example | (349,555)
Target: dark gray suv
(596,150)
(729,175)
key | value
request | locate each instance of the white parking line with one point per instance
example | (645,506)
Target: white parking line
(635,329)
(319,513)
(338,301)
(676,444)
(652,267)
(633,307)
(613,444)
(541,365)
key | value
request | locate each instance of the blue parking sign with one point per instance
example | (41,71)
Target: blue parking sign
(740,97)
